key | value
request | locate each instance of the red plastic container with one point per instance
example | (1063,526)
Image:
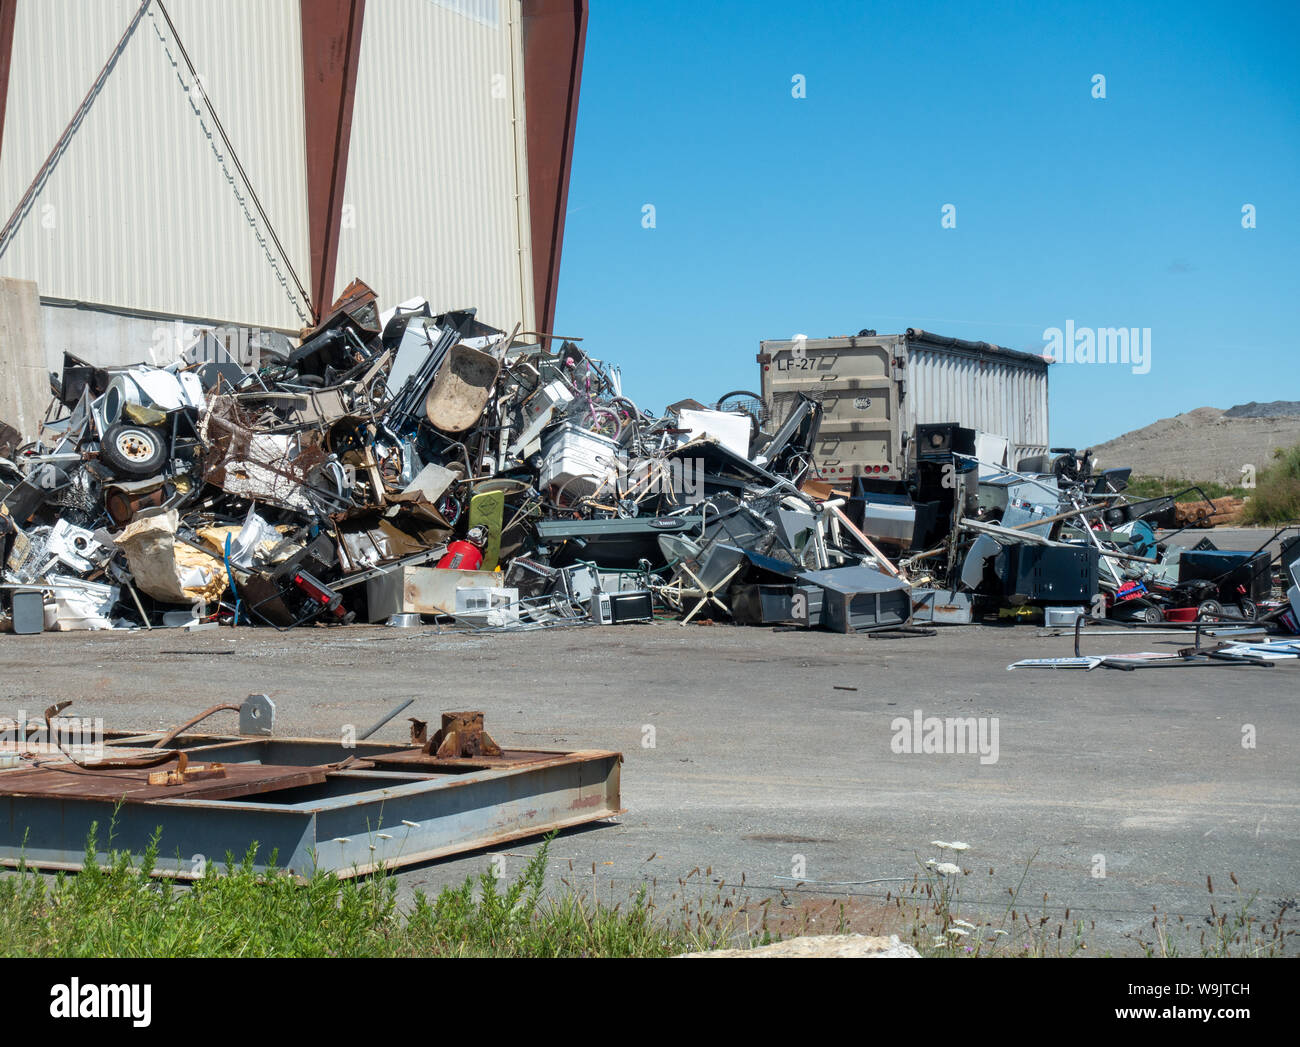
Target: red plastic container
(462,556)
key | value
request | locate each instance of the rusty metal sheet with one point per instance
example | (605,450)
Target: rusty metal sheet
(418,759)
(65,781)
(242,460)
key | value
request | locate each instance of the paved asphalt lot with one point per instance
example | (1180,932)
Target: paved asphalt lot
(760,757)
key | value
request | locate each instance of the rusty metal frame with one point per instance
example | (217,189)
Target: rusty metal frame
(8,9)
(355,822)
(555,40)
(331,54)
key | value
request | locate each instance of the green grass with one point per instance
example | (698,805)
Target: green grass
(123,910)
(1276,497)
(1274,500)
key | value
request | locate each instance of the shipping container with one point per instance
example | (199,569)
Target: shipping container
(876,389)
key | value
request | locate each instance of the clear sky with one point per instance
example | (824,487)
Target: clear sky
(821,215)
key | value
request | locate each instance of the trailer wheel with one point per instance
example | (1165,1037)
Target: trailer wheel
(133,451)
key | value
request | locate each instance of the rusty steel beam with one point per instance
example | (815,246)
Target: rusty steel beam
(555,37)
(331,51)
(8,9)
(395,807)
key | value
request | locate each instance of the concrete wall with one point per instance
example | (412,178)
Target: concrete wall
(36,332)
(108,339)
(24,383)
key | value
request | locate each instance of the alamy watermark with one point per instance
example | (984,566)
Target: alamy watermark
(952,735)
(1100,345)
(127,1000)
(675,477)
(78,737)
(244,346)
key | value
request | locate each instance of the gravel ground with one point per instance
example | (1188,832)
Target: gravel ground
(773,760)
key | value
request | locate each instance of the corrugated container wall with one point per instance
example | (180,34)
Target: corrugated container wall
(144,210)
(977,390)
(436,201)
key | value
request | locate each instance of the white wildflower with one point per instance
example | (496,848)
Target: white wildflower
(947,869)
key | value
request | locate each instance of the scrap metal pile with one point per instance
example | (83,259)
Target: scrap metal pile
(1053,541)
(408,464)
(405,466)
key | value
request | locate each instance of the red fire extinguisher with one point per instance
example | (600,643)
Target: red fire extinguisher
(466,554)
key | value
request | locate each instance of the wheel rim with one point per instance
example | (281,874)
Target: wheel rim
(135,446)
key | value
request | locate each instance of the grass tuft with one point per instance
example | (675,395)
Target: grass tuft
(1275,499)
(122,909)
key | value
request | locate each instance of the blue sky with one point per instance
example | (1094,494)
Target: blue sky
(821,215)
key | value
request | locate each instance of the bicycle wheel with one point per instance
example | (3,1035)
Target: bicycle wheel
(603,421)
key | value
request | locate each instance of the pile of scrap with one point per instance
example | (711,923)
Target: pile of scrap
(401,466)
(1052,541)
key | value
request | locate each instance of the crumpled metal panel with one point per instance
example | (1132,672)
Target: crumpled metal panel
(271,468)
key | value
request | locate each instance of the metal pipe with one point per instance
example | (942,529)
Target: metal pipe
(177,731)
(383,720)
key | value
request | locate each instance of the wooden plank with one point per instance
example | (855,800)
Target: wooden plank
(867,542)
(65,781)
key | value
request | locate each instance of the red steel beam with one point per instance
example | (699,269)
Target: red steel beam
(554,39)
(7,9)
(331,50)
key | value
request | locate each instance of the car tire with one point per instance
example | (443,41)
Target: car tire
(133,451)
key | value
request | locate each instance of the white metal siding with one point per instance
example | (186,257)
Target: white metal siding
(436,199)
(145,211)
(1004,397)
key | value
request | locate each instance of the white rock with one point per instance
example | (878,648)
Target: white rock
(849,946)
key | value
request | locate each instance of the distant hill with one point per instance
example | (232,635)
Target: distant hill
(1276,409)
(1206,443)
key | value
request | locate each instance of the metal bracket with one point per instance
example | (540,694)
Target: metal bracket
(462,735)
(256,715)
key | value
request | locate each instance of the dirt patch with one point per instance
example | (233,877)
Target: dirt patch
(1204,445)
(830,915)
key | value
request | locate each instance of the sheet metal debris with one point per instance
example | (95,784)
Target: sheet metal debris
(410,463)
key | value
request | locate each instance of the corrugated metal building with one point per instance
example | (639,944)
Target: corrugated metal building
(240,162)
